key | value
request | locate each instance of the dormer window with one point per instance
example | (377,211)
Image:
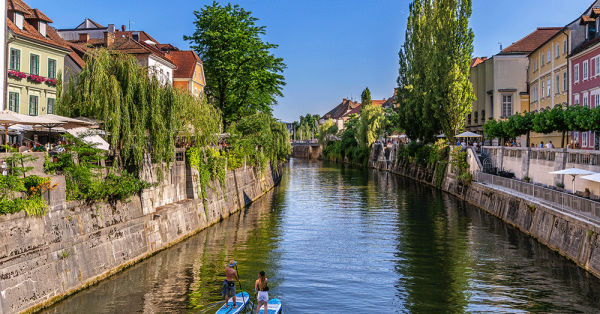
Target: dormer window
(42,28)
(19,18)
(135,36)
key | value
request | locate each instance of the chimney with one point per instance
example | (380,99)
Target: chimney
(84,37)
(123,28)
(343,101)
(109,39)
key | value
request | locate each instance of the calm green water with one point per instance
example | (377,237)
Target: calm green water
(337,239)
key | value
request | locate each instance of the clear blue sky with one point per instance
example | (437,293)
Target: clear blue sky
(333,48)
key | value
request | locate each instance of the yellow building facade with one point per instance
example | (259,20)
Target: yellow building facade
(549,81)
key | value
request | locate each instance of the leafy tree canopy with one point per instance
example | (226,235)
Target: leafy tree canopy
(242,76)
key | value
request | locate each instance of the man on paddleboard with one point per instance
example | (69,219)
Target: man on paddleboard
(229,283)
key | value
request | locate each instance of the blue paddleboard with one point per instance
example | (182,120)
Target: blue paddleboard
(273,307)
(242,300)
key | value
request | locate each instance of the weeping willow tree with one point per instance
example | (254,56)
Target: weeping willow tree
(261,138)
(139,113)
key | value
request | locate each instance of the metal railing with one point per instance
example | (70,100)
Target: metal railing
(579,206)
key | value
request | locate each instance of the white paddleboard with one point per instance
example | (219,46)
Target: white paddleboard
(241,301)
(273,307)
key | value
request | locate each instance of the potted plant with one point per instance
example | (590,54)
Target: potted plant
(560,186)
(527,179)
(586,193)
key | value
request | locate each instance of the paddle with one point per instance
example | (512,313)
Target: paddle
(241,289)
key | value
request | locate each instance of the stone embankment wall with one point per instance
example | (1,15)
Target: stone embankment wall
(575,238)
(75,244)
(306,151)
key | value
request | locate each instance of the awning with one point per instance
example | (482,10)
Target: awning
(92,138)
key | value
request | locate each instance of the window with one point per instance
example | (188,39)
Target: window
(543,58)
(576,136)
(33,105)
(19,18)
(491,106)
(13,102)
(557,50)
(50,109)
(506,105)
(576,73)
(584,139)
(549,55)
(585,70)
(565,46)
(543,89)
(15,59)
(34,64)
(557,83)
(597,100)
(585,100)
(549,86)
(576,101)
(51,68)
(597,65)
(565,81)
(42,28)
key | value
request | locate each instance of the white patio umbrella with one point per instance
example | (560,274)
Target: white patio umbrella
(9,118)
(592,177)
(468,134)
(441,135)
(574,172)
(91,137)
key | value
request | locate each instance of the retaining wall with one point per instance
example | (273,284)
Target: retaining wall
(575,238)
(42,260)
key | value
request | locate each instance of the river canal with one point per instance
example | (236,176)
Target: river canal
(337,239)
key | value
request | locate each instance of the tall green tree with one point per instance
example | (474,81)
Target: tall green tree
(242,76)
(371,121)
(519,124)
(451,97)
(139,113)
(548,121)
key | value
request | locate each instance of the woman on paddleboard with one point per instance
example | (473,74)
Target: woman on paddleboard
(261,288)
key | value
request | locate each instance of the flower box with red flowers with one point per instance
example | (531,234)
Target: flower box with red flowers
(51,82)
(17,74)
(36,78)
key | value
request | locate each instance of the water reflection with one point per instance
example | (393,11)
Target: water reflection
(338,239)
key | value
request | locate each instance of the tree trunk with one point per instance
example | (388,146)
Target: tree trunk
(562,143)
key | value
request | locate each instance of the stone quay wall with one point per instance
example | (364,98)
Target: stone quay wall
(307,151)
(43,260)
(575,238)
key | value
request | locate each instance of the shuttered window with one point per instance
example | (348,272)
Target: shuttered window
(33,105)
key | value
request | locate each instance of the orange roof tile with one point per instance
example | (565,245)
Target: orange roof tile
(476,61)
(37,14)
(129,34)
(532,41)
(378,102)
(30,32)
(595,12)
(130,46)
(73,54)
(586,19)
(185,62)
(18,5)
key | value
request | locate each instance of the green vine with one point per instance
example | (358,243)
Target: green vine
(439,173)
(210,165)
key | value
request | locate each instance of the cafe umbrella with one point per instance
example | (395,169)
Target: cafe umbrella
(574,172)
(9,118)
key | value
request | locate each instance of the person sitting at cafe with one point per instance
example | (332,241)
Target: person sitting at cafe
(39,147)
(23,148)
(577,145)
(541,145)
(549,145)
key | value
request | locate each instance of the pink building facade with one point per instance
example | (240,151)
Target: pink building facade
(584,68)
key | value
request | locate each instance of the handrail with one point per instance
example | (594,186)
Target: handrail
(582,207)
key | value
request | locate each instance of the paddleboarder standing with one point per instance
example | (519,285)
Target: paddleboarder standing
(229,283)
(262,289)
